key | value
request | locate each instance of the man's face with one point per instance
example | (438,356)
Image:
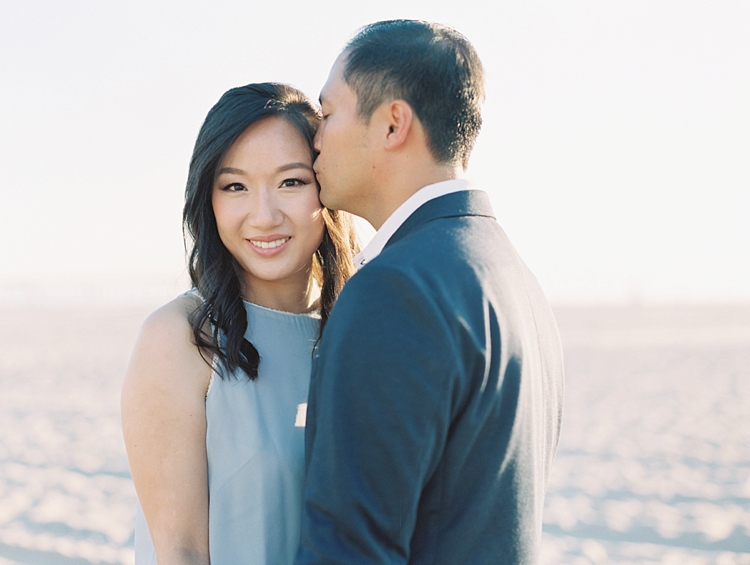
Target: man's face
(344,166)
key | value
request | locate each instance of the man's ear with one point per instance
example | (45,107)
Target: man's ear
(399,118)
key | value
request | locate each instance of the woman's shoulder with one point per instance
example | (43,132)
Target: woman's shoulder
(166,349)
(174,316)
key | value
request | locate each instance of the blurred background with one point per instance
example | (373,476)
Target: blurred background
(615,143)
(615,150)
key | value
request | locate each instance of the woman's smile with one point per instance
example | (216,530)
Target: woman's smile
(269,246)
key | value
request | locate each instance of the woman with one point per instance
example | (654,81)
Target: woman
(214,399)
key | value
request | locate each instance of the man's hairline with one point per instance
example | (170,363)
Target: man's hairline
(343,59)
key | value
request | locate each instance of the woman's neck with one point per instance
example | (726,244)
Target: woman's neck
(287,296)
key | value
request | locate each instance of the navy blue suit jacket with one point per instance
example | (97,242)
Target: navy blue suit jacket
(435,401)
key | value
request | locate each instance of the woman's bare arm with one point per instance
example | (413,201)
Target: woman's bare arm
(164,425)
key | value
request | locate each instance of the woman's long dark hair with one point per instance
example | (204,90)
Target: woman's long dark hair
(213,270)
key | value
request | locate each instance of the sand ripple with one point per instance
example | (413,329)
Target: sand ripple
(654,460)
(65,488)
(653,467)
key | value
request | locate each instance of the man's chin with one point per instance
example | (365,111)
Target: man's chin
(326,199)
(336,200)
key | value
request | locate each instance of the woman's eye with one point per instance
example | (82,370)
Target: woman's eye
(289,183)
(234,187)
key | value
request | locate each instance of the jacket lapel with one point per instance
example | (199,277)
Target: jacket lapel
(455,204)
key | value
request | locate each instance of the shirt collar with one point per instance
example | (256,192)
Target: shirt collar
(399,216)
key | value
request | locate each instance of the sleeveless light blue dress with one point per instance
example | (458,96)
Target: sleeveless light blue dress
(255,447)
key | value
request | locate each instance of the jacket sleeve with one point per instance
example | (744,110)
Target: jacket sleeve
(381,398)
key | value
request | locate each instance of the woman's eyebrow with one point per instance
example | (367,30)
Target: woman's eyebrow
(289,166)
(281,169)
(229,171)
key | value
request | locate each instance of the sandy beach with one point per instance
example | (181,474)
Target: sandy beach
(654,458)
(653,465)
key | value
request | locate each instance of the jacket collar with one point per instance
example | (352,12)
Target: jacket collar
(402,213)
(464,203)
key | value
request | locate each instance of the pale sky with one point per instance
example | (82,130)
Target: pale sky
(615,145)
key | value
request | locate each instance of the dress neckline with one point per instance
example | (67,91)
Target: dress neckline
(314,314)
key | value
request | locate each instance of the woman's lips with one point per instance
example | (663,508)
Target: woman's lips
(268,247)
(270,244)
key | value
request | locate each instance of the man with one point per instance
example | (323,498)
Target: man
(435,400)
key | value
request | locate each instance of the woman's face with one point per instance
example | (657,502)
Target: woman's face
(267,211)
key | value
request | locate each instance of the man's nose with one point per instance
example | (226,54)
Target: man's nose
(316,139)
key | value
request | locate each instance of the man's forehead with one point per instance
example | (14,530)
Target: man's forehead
(335,79)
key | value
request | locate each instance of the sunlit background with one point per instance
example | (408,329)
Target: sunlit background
(615,148)
(615,144)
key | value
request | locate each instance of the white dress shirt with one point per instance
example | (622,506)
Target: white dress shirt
(399,216)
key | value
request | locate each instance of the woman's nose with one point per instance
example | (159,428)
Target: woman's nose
(266,213)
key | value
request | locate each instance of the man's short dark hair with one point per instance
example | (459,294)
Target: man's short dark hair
(433,68)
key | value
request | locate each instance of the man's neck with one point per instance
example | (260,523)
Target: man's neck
(394,222)
(399,190)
